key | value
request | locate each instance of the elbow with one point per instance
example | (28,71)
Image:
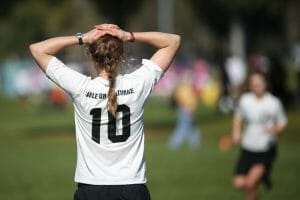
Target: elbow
(177,40)
(33,48)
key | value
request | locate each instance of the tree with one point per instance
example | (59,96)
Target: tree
(260,18)
(22,24)
(118,11)
(29,21)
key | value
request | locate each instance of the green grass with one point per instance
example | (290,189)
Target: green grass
(38,154)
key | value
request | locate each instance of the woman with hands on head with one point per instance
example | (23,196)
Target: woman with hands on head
(108,109)
(264,119)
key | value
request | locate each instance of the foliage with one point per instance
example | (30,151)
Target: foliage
(33,20)
(220,13)
(118,11)
(23,22)
(26,21)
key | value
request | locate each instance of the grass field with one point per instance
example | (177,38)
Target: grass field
(37,156)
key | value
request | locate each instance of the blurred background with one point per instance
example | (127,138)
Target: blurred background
(222,42)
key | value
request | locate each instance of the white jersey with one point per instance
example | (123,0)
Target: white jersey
(259,114)
(110,150)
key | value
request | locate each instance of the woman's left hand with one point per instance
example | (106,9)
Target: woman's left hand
(276,129)
(93,35)
(114,30)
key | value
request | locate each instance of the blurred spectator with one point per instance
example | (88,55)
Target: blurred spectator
(200,75)
(210,94)
(259,63)
(186,130)
(236,70)
(264,119)
(22,83)
(22,79)
(234,76)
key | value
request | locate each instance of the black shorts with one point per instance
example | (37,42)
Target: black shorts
(247,159)
(112,192)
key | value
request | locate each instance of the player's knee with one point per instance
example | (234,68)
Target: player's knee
(238,183)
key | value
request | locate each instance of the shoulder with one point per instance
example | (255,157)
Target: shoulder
(148,67)
(246,97)
(147,71)
(273,99)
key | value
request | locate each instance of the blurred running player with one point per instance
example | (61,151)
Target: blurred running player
(264,119)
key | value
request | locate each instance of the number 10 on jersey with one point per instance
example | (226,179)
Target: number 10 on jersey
(111,126)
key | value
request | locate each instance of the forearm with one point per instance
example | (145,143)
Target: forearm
(277,129)
(157,39)
(53,45)
(43,51)
(236,129)
(166,44)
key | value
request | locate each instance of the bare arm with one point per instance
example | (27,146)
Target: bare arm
(166,44)
(43,51)
(236,129)
(281,121)
(277,129)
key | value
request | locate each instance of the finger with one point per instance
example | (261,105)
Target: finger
(113,26)
(104,26)
(107,26)
(112,32)
(99,34)
(101,27)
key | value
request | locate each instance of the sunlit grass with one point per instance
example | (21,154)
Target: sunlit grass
(38,154)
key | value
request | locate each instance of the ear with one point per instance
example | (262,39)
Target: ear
(88,52)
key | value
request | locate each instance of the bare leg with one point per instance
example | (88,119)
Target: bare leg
(239,182)
(252,180)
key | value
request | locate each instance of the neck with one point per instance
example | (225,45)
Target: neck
(260,96)
(102,73)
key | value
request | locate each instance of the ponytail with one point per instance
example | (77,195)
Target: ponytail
(108,53)
(112,97)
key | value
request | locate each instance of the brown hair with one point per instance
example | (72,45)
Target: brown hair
(108,53)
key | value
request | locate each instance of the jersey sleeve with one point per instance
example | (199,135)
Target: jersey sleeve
(281,118)
(69,80)
(153,72)
(147,77)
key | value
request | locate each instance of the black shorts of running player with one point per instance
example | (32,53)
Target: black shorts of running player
(112,192)
(247,159)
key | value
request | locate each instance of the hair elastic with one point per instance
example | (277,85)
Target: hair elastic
(132,39)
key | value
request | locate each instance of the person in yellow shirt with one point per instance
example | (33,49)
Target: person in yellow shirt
(186,130)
